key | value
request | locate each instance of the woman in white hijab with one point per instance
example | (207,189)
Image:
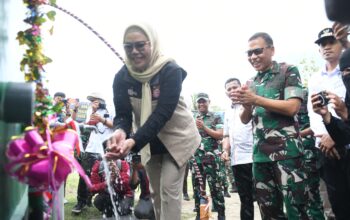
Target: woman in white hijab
(147,100)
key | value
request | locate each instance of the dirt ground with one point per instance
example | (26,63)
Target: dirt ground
(232,205)
(232,209)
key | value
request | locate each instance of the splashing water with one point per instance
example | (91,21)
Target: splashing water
(110,188)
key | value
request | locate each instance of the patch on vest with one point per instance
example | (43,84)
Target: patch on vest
(155,91)
(132,92)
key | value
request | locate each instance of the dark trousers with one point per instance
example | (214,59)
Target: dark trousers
(103,203)
(336,174)
(86,160)
(184,187)
(144,184)
(243,175)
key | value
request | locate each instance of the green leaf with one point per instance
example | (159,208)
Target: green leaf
(40,20)
(48,60)
(51,15)
(20,38)
(51,30)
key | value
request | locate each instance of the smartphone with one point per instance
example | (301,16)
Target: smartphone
(136,159)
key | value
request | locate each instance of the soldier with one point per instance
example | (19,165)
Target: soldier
(207,157)
(223,173)
(272,102)
(312,161)
(224,168)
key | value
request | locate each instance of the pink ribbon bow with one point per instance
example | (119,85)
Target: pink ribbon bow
(44,164)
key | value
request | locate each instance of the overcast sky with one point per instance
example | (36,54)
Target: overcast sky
(207,38)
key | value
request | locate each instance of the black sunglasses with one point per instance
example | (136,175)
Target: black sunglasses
(138,45)
(256,51)
(328,40)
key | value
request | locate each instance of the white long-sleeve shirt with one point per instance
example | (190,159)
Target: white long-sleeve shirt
(324,81)
(240,136)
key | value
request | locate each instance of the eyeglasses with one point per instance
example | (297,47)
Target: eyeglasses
(257,51)
(138,45)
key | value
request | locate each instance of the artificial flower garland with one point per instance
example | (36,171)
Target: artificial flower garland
(41,158)
(34,60)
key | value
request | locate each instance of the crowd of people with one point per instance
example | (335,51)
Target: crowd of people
(285,141)
(113,181)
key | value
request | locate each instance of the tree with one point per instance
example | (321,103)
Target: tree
(216,108)
(194,104)
(307,66)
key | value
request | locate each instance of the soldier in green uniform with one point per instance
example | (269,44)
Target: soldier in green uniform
(272,101)
(312,162)
(210,127)
(224,171)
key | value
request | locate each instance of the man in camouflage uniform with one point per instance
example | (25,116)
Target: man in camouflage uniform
(272,101)
(225,170)
(312,162)
(207,155)
(223,174)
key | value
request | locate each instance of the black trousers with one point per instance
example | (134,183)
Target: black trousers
(103,203)
(86,160)
(336,174)
(184,187)
(243,175)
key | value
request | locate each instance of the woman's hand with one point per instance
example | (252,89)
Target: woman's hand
(122,150)
(114,144)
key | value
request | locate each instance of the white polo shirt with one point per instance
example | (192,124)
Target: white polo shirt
(240,135)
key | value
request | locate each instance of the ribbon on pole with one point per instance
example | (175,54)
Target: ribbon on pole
(44,164)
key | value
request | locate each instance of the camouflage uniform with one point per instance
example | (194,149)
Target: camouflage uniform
(208,161)
(223,171)
(312,164)
(277,153)
(229,174)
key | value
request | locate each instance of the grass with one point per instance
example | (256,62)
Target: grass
(92,212)
(71,196)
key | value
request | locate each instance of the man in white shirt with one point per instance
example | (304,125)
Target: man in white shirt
(331,43)
(238,143)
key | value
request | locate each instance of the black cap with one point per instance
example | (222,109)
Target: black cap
(60,94)
(344,61)
(325,33)
(202,95)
